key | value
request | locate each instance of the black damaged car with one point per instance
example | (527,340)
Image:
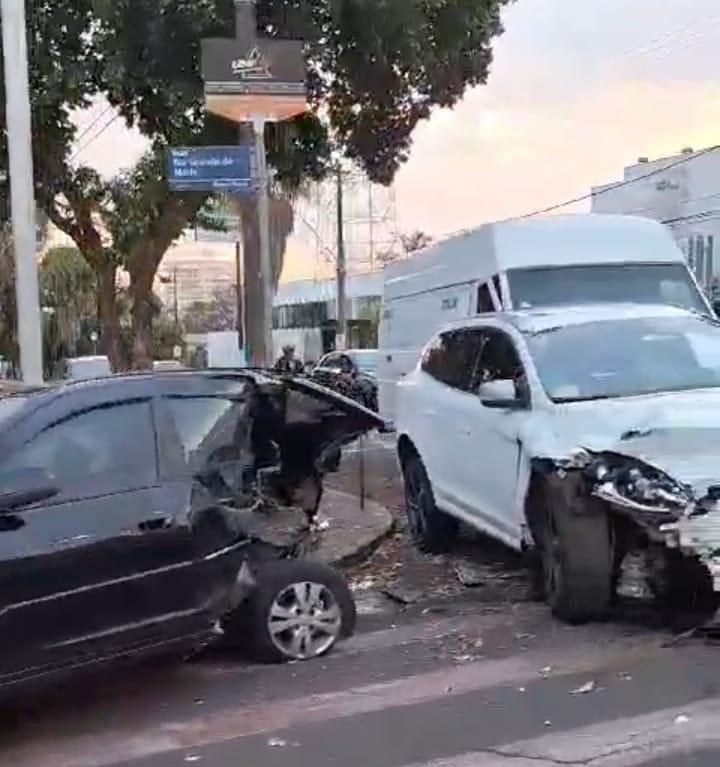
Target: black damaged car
(133,518)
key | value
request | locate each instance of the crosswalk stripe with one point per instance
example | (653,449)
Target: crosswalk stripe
(628,742)
(115,746)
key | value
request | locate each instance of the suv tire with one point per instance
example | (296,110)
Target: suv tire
(577,563)
(431,529)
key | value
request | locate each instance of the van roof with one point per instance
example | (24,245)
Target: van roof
(532,243)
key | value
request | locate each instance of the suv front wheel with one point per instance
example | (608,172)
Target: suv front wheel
(577,563)
(431,529)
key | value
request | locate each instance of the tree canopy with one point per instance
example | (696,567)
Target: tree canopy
(374,70)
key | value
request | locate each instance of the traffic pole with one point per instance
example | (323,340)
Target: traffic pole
(22,193)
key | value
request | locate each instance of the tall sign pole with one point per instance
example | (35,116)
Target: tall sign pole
(263,210)
(252,80)
(22,194)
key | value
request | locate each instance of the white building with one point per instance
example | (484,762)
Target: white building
(195,272)
(305,314)
(682,191)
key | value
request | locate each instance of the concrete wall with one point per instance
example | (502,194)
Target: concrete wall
(686,197)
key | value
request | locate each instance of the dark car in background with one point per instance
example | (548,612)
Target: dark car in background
(352,373)
(128,511)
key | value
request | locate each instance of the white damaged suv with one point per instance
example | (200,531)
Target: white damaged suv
(589,435)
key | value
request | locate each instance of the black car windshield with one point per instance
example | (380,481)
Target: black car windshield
(603,283)
(626,357)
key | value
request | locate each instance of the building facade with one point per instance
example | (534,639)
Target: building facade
(305,314)
(683,192)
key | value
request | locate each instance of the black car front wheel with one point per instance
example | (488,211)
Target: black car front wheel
(299,611)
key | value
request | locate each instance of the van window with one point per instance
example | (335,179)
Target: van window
(498,290)
(614,283)
(485,303)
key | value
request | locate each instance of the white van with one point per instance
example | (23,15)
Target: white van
(524,264)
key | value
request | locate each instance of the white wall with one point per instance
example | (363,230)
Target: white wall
(689,192)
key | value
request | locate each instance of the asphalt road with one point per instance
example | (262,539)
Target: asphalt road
(454,679)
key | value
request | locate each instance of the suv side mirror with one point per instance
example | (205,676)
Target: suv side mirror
(25,487)
(500,395)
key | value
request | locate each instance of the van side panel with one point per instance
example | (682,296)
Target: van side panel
(407,325)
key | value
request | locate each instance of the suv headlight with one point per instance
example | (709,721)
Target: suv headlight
(639,488)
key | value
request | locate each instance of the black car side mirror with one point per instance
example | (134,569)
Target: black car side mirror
(25,487)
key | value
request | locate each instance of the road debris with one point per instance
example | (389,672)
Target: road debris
(584,689)
(470,574)
(403,595)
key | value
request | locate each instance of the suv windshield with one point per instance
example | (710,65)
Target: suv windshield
(603,283)
(622,358)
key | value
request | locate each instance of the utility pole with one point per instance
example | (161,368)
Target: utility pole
(341,332)
(22,193)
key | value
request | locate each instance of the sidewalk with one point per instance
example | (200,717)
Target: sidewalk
(349,533)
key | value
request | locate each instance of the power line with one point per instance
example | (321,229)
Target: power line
(81,149)
(670,39)
(613,187)
(671,34)
(705,215)
(89,127)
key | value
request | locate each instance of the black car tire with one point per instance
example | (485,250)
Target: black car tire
(248,627)
(431,529)
(577,563)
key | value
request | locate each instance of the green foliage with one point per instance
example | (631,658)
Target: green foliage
(215,315)
(374,69)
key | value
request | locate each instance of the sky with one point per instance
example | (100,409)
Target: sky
(578,90)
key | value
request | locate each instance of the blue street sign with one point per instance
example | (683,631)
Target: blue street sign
(210,169)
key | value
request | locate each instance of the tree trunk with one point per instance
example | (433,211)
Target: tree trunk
(142,311)
(281,226)
(254,338)
(108,310)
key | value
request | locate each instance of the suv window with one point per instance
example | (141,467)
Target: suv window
(114,443)
(500,361)
(451,359)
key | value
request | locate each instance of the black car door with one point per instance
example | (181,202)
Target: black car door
(73,568)
(207,463)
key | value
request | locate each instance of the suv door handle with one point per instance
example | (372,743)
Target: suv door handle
(158,522)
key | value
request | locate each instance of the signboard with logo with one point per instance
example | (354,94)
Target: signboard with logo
(210,169)
(257,67)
